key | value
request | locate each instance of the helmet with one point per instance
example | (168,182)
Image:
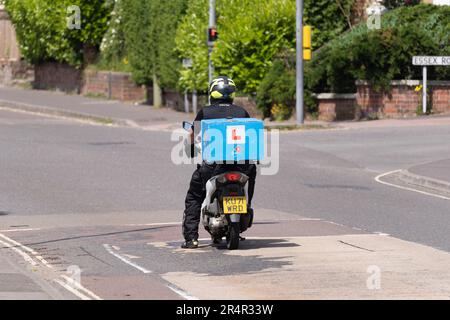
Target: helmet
(222,89)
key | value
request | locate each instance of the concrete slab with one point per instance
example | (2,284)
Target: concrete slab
(14,282)
(23,296)
(331,267)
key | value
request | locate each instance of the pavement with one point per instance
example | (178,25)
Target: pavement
(20,281)
(111,112)
(333,223)
(81,108)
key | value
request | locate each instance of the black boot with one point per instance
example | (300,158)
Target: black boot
(190,244)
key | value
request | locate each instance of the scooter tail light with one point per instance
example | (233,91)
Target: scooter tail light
(233,177)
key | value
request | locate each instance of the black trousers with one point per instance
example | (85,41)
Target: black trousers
(197,193)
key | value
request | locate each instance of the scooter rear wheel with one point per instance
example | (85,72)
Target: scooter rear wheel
(233,236)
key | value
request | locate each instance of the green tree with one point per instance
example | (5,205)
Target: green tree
(43,32)
(139,39)
(113,55)
(191,44)
(391,4)
(251,34)
(328,18)
(149,36)
(380,56)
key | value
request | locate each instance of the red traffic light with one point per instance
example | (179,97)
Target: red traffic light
(212,34)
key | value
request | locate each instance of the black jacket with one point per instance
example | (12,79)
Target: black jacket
(221,111)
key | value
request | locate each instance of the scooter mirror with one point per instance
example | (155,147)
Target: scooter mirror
(187,126)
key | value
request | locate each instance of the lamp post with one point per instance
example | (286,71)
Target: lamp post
(299,55)
(212,25)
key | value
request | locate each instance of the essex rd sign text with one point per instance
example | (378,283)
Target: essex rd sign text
(425,62)
(431,61)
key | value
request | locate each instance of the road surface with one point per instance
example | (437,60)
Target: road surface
(102,204)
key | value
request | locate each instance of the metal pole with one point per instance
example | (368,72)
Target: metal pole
(110,85)
(186,102)
(210,66)
(424,93)
(299,91)
(212,24)
(212,13)
(194,101)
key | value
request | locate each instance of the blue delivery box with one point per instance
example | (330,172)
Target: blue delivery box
(232,140)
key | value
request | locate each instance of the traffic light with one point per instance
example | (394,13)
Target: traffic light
(307,43)
(212,35)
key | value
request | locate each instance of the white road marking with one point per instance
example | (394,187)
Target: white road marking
(171,286)
(129,256)
(34,253)
(72,290)
(25,256)
(124,259)
(16,246)
(378,179)
(382,234)
(181,292)
(18,230)
(79,287)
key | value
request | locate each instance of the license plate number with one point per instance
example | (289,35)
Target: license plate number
(234,205)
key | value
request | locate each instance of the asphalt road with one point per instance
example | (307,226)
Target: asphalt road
(94,190)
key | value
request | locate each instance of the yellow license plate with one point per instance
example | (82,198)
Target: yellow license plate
(234,205)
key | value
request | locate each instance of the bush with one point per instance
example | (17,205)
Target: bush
(276,94)
(43,34)
(113,51)
(149,27)
(380,56)
(392,4)
(251,35)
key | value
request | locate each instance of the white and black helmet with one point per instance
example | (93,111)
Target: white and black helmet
(222,89)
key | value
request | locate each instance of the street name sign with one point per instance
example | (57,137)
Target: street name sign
(425,62)
(431,61)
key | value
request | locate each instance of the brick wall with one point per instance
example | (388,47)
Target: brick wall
(52,75)
(402,100)
(114,85)
(441,98)
(334,107)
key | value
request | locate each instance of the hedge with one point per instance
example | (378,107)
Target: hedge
(377,56)
(380,56)
(149,28)
(43,33)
